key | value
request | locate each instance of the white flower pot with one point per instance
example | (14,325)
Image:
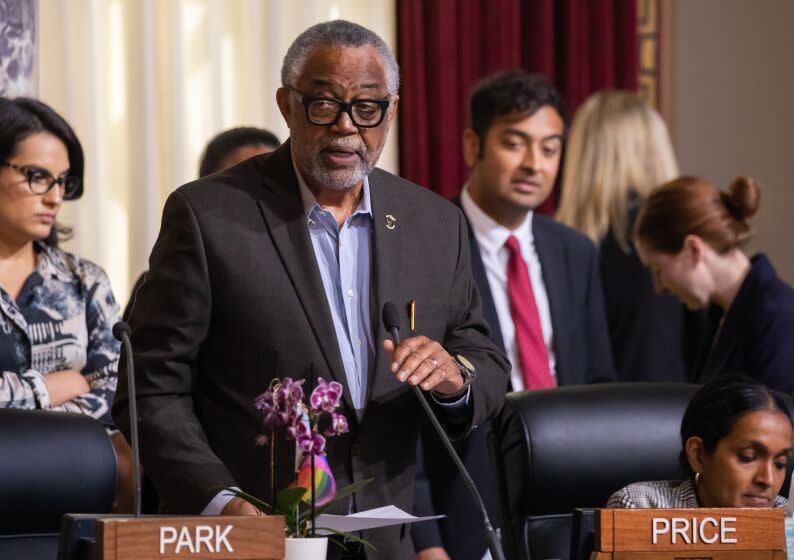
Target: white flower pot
(306,549)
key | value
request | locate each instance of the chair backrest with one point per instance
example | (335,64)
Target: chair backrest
(51,463)
(572,447)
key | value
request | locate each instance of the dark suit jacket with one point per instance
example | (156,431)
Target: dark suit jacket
(653,337)
(756,335)
(581,345)
(234,298)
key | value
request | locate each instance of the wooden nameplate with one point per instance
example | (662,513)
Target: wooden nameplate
(690,534)
(196,537)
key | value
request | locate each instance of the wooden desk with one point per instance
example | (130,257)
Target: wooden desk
(691,534)
(205,538)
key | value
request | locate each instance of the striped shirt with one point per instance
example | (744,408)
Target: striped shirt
(662,494)
(62,319)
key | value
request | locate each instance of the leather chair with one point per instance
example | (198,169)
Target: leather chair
(51,463)
(571,447)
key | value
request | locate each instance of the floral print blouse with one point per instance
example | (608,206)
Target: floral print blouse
(62,319)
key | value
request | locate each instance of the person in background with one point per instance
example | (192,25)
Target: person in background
(225,150)
(57,310)
(539,281)
(736,437)
(232,146)
(690,234)
(617,152)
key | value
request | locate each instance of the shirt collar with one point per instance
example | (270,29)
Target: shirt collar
(311,206)
(490,234)
(52,263)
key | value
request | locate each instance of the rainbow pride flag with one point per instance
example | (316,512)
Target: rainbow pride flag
(324,484)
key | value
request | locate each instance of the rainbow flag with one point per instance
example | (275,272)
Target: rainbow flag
(324,484)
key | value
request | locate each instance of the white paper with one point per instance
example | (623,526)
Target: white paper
(370,519)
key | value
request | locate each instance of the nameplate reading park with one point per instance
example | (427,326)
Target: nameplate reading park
(201,538)
(691,534)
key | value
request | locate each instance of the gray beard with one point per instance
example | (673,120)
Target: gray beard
(338,179)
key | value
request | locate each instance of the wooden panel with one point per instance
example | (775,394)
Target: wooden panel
(202,538)
(701,555)
(693,529)
(605,535)
(694,555)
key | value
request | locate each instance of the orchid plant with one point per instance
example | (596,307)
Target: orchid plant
(283,409)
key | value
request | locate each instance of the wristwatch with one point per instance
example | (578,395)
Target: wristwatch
(466,368)
(466,372)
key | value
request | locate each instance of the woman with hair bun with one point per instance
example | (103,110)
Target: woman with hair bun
(690,235)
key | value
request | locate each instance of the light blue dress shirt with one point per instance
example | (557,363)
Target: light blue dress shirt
(343,257)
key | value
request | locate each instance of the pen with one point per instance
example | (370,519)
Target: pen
(412,305)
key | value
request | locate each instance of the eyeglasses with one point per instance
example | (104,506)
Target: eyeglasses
(41,181)
(325,111)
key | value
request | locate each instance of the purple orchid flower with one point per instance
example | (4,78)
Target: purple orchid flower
(311,443)
(338,425)
(280,403)
(326,396)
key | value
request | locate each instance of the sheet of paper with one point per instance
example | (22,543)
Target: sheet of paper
(370,519)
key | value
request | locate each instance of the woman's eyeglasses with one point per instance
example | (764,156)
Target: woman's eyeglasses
(41,181)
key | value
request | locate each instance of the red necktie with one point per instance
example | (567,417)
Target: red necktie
(532,351)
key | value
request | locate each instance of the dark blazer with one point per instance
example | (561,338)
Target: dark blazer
(570,267)
(234,298)
(653,337)
(757,331)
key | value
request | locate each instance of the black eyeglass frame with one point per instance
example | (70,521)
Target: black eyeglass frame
(347,107)
(27,170)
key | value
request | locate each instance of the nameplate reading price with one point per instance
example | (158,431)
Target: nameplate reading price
(201,538)
(640,534)
(694,530)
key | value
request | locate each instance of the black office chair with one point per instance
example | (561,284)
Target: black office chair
(51,463)
(572,447)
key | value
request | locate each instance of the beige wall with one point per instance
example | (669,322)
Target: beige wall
(732,111)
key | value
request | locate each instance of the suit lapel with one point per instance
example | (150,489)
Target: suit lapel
(388,251)
(552,267)
(483,287)
(282,209)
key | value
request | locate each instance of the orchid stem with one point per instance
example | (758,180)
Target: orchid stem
(312,483)
(273,469)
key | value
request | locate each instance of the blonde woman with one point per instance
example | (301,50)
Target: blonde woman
(618,151)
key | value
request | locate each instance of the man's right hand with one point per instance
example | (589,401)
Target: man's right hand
(432,553)
(238,506)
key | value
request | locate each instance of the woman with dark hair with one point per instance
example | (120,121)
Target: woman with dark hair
(736,436)
(690,234)
(57,351)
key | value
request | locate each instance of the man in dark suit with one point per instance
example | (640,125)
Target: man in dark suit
(279,267)
(539,282)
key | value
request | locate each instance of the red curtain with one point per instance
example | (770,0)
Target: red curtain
(446,46)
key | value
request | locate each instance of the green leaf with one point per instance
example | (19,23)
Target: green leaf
(264,507)
(287,500)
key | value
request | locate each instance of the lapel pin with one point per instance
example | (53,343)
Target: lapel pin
(391,221)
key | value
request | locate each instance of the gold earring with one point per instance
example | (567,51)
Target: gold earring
(697,478)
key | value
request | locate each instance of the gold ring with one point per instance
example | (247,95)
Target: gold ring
(434,362)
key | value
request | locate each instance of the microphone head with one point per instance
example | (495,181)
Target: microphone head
(120,329)
(391,317)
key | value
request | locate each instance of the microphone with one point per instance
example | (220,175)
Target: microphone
(391,320)
(121,331)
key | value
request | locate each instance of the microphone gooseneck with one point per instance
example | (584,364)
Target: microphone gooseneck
(121,331)
(391,320)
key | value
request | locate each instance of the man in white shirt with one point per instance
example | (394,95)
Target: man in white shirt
(539,281)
